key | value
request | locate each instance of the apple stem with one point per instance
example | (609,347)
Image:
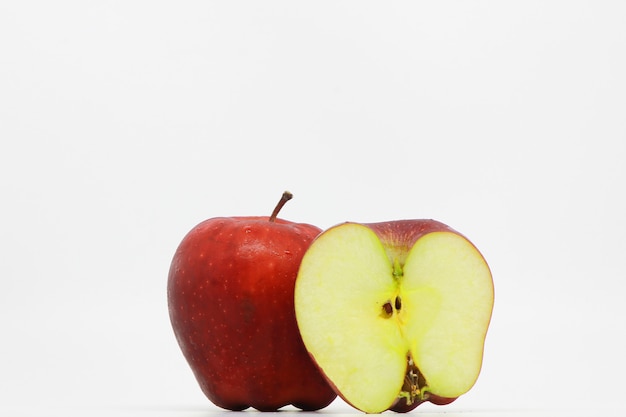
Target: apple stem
(283,199)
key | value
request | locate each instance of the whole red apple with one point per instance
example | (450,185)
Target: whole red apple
(231,303)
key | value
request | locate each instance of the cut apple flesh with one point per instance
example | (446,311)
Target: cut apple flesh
(378,320)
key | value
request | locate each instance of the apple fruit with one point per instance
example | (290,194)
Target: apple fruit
(395,313)
(230,297)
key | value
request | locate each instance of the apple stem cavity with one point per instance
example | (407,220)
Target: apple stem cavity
(283,199)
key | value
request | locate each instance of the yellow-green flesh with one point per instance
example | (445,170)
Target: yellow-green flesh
(447,295)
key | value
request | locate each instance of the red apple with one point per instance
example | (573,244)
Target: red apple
(231,303)
(395,313)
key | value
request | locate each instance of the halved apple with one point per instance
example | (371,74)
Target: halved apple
(395,313)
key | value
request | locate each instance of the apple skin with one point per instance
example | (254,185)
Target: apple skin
(402,234)
(401,406)
(230,297)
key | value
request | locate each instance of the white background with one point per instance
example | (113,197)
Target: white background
(125,123)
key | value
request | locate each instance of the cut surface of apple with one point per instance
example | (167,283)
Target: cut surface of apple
(394,311)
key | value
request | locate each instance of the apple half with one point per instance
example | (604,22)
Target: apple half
(395,313)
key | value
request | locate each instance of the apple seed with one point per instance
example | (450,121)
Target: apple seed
(398,303)
(387,310)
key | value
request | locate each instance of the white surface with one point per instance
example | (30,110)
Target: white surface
(331,412)
(123,124)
